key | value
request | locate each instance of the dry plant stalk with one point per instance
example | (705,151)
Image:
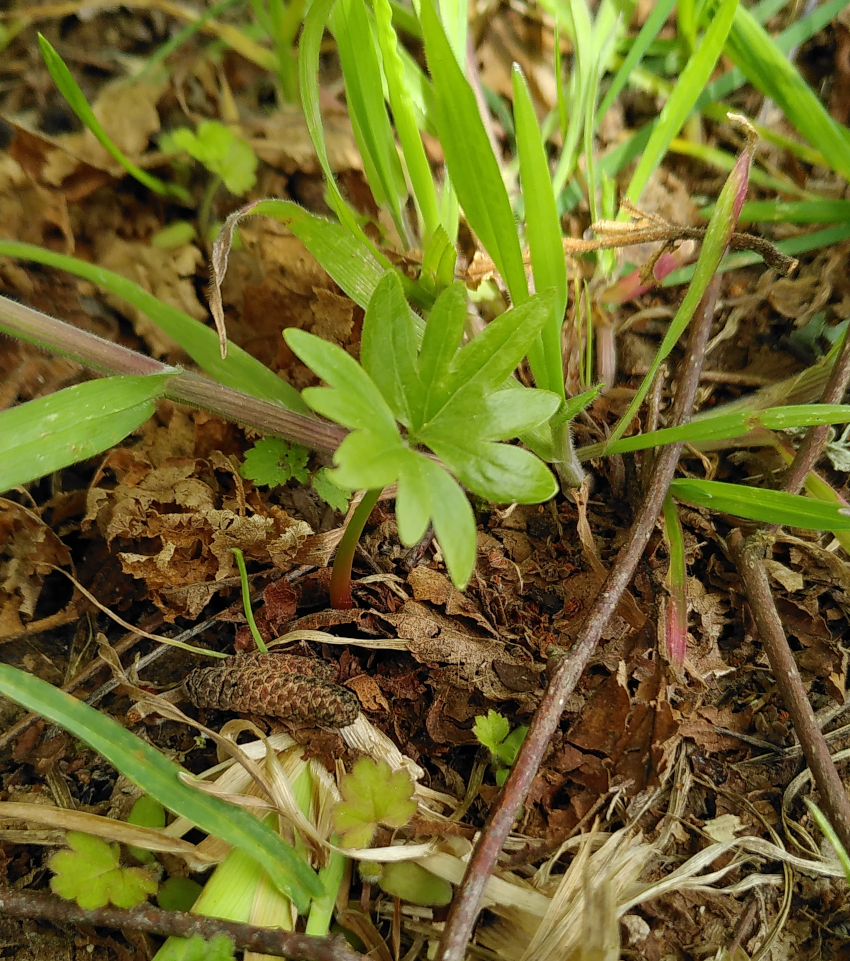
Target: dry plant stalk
(285,686)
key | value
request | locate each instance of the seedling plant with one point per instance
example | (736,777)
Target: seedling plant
(437,406)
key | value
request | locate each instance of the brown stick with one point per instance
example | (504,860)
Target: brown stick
(465,906)
(749,558)
(180,924)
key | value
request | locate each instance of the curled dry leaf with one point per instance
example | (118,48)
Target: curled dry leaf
(187,528)
(28,551)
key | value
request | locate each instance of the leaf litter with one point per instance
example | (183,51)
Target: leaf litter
(665,755)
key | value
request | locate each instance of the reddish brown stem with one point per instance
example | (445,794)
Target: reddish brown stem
(465,906)
(180,924)
(749,559)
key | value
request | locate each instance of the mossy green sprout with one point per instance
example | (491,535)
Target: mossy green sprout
(493,731)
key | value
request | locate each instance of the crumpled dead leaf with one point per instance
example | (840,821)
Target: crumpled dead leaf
(29,549)
(181,531)
(475,662)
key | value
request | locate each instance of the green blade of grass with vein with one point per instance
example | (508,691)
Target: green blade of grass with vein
(726,426)
(543,231)
(685,95)
(717,235)
(404,116)
(160,777)
(766,506)
(764,65)
(77,102)
(47,434)
(239,370)
(348,261)
(648,32)
(470,160)
(308,77)
(365,98)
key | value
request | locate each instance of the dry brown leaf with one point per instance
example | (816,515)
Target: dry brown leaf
(436,639)
(191,534)
(29,549)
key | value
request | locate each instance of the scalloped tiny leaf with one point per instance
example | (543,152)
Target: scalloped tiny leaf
(88,872)
(372,794)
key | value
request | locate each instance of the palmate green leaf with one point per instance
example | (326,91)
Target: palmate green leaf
(353,399)
(160,777)
(223,153)
(502,415)
(443,334)
(388,350)
(76,100)
(471,163)
(768,506)
(544,235)
(372,794)
(53,432)
(498,472)
(272,461)
(368,460)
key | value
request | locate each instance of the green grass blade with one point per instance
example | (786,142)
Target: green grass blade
(829,833)
(543,231)
(717,235)
(791,212)
(365,98)
(61,429)
(648,32)
(470,160)
(239,370)
(767,69)
(758,504)
(308,77)
(685,95)
(77,102)
(726,427)
(159,777)
(404,116)
(343,256)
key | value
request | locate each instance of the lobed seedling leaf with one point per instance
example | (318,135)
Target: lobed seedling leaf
(89,873)
(330,493)
(491,729)
(372,794)
(223,153)
(271,462)
(494,732)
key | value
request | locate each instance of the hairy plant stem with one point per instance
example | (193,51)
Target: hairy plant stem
(464,908)
(749,556)
(185,386)
(340,588)
(180,924)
